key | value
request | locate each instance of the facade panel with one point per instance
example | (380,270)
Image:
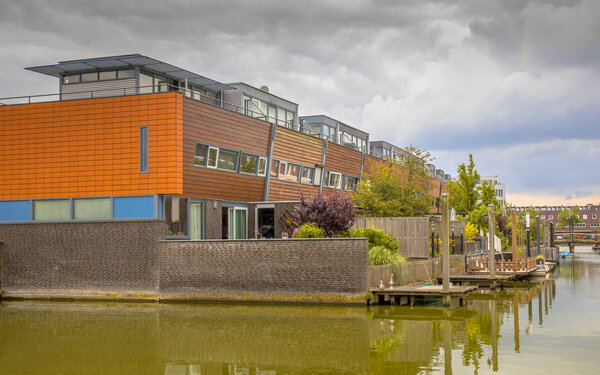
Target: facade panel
(296,147)
(342,159)
(85,148)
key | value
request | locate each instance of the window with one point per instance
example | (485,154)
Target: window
(89,77)
(274,168)
(594,216)
(551,217)
(272,114)
(349,183)
(124,74)
(72,78)
(308,175)
(543,216)
(584,217)
(200,155)
(143,149)
(175,209)
(227,160)
(262,166)
(282,168)
(52,209)
(248,164)
(335,180)
(293,171)
(326,178)
(112,74)
(281,117)
(290,119)
(213,154)
(91,208)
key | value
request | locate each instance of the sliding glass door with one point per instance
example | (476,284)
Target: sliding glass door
(238,223)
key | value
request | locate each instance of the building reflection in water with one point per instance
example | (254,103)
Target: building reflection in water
(265,340)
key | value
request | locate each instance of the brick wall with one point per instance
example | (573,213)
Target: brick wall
(91,258)
(301,269)
(130,260)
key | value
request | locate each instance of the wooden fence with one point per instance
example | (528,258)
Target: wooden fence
(412,233)
(413,272)
(480,263)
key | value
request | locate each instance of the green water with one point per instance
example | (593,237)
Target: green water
(547,327)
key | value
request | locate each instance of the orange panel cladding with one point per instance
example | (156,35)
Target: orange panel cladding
(90,147)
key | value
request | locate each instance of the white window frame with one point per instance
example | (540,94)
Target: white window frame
(208,157)
(339,184)
(284,163)
(260,158)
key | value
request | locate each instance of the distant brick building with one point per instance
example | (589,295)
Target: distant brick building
(589,214)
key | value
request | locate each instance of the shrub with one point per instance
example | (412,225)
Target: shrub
(376,237)
(333,212)
(380,255)
(309,230)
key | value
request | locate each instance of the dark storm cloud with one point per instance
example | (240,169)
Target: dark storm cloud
(494,77)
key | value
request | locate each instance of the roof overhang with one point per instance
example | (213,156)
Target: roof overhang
(128,61)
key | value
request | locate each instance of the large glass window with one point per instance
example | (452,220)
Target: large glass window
(290,119)
(308,175)
(196,220)
(146,84)
(124,74)
(227,160)
(248,164)
(272,114)
(262,166)
(213,153)
(175,216)
(91,208)
(52,209)
(281,117)
(325,178)
(200,155)
(349,183)
(293,171)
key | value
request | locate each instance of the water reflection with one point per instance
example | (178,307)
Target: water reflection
(498,331)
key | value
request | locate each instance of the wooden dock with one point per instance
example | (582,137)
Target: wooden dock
(479,279)
(406,295)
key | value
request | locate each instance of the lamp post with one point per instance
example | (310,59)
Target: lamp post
(462,240)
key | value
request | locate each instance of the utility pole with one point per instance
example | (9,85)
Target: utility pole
(491,247)
(528,234)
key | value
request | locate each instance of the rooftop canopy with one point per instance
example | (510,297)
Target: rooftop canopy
(124,62)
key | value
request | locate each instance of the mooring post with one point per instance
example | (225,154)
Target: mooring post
(513,231)
(445,229)
(537,237)
(528,229)
(491,246)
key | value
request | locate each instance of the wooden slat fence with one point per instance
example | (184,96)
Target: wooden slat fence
(412,233)
(414,272)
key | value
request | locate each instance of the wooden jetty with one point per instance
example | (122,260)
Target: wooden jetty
(479,279)
(406,295)
(519,268)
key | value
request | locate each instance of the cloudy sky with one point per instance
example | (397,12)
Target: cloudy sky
(516,83)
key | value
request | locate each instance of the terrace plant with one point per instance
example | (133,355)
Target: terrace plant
(333,212)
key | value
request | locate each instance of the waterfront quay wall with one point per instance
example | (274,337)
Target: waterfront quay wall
(130,260)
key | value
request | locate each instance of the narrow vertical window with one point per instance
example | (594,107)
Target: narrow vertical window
(143,149)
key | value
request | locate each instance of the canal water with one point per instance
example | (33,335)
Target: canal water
(550,326)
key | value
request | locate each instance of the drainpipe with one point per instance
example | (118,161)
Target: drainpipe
(323,159)
(269,162)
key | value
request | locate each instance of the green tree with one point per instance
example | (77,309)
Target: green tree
(395,188)
(569,218)
(463,193)
(487,195)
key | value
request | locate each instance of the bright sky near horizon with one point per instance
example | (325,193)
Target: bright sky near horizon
(516,83)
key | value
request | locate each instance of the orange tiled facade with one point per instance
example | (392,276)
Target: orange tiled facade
(91,147)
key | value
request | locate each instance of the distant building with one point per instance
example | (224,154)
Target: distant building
(498,187)
(589,214)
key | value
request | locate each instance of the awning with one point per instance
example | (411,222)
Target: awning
(128,61)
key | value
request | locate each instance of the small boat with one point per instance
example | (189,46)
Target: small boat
(542,270)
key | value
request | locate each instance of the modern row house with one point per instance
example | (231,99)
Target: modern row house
(131,137)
